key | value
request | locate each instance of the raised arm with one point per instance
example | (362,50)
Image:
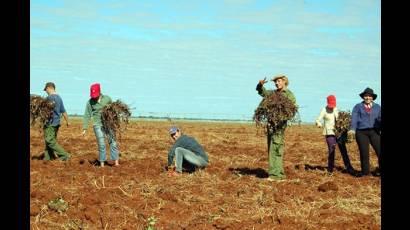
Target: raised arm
(261,89)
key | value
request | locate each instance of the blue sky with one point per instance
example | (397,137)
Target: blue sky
(204,58)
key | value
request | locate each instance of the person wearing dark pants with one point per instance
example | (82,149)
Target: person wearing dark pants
(51,128)
(366,127)
(341,143)
(329,115)
(364,137)
(187,149)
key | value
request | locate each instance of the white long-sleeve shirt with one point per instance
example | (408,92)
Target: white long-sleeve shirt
(329,119)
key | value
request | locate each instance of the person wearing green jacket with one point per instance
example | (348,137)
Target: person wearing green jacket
(93,111)
(276,143)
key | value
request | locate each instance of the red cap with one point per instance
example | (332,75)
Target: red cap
(95,90)
(331,101)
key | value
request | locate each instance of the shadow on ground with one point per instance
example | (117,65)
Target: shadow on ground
(257,172)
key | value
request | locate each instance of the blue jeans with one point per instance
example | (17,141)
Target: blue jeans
(99,134)
(184,154)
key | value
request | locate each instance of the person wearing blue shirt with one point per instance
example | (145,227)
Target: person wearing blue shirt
(185,148)
(52,126)
(366,127)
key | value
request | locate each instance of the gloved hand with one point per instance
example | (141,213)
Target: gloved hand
(319,125)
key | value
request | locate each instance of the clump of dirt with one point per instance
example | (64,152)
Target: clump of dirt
(327,186)
(34,210)
(274,111)
(58,205)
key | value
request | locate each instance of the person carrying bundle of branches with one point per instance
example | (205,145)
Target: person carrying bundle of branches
(336,125)
(94,110)
(276,109)
(54,108)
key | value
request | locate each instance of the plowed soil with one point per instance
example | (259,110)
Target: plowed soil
(232,193)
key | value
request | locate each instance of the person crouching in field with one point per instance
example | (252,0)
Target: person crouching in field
(329,115)
(366,127)
(51,127)
(276,143)
(185,148)
(93,110)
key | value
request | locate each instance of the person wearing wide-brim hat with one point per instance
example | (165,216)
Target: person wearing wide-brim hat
(366,127)
(276,144)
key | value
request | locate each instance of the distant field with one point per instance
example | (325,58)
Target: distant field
(232,193)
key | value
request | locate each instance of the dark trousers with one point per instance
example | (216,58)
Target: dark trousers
(363,138)
(50,138)
(331,144)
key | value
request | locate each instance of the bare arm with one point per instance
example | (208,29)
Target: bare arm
(66,118)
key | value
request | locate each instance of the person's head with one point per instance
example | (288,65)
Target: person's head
(368,95)
(95,91)
(50,88)
(331,101)
(174,132)
(281,82)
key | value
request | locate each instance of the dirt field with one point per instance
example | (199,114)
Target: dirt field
(232,193)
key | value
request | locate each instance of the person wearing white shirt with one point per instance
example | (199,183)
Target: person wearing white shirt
(329,115)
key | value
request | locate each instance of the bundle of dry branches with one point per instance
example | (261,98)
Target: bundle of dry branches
(342,124)
(274,112)
(41,110)
(113,116)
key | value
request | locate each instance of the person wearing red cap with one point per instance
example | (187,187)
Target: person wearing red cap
(329,115)
(93,111)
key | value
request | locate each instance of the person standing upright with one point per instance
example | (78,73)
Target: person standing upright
(93,109)
(275,138)
(366,127)
(329,115)
(52,126)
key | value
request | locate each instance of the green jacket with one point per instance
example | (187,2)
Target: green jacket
(264,93)
(93,109)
